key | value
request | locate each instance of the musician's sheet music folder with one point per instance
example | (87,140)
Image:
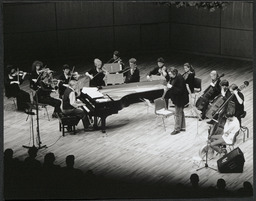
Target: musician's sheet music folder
(92,92)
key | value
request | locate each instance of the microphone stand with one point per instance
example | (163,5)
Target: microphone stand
(206,157)
(37,127)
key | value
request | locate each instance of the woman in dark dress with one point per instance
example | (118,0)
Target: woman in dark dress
(189,77)
(96,74)
(12,88)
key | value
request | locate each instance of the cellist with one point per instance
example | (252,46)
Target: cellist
(225,93)
(214,89)
(238,99)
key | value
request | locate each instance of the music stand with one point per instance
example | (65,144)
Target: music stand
(32,106)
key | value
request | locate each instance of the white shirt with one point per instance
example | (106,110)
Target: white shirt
(230,129)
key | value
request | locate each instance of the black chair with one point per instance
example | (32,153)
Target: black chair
(68,122)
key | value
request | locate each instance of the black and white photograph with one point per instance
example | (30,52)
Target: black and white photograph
(127,100)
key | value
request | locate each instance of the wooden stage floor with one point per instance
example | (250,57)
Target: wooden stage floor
(136,146)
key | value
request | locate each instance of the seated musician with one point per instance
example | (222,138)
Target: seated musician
(64,78)
(212,91)
(12,88)
(70,105)
(231,127)
(132,74)
(43,94)
(160,70)
(117,59)
(96,74)
(225,93)
(238,99)
(36,71)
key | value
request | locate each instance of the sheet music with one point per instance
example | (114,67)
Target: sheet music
(92,92)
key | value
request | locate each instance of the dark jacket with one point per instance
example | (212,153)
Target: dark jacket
(178,93)
(135,77)
(66,100)
(98,78)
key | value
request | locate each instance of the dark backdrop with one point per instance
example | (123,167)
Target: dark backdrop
(78,29)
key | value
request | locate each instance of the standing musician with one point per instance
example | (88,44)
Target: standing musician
(13,79)
(71,106)
(231,127)
(160,70)
(177,91)
(132,74)
(43,94)
(189,77)
(214,88)
(96,74)
(36,71)
(117,59)
(238,99)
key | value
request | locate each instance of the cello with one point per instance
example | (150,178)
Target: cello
(203,100)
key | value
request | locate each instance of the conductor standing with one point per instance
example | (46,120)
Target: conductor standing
(176,90)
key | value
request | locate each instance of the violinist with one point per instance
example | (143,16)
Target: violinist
(212,91)
(177,91)
(132,74)
(160,70)
(43,94)
(117,59)
(96,74)
(71,105)
(238,99)
(36,71)
(64,78)
(13,79)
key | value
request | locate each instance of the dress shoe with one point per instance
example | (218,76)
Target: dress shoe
(183,129)
(210,122)
(175,132)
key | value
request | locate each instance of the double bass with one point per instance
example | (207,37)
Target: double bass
(203,100)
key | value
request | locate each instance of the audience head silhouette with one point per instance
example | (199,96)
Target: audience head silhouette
(49,159)
(221,184)
(70,161)
(194,179)
(32,152)
(8,154)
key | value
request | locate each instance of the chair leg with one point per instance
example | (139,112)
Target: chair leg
(60,126)
(74,129)
(47,113)
(14,102)
(63,130)
(163,123)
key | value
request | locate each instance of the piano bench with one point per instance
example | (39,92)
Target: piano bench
(66,121)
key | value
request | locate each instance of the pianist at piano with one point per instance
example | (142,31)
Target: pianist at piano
(70,105)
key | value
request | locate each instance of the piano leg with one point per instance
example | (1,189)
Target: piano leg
(103,124)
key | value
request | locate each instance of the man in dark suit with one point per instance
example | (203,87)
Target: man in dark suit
(177,91)
(133,74)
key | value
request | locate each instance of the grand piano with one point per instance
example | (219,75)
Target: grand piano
(116,97)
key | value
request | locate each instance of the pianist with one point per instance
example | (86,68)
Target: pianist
(132,74)
(96,74)
(70,105)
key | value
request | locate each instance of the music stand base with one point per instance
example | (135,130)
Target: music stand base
(206,166)
(40,147)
